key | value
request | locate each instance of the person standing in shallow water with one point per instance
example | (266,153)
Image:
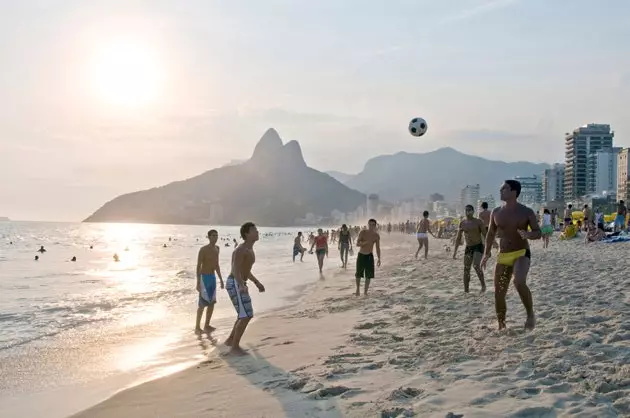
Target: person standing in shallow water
(512,221)
(207,267)
(473,231)
(345,245)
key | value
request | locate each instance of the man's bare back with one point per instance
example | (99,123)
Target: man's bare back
(484,215)
(423,226)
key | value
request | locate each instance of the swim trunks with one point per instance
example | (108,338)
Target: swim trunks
(365,266)
(296,250)
(320,251)
(422,235)
(620,220)
(208,293)
(472,249)
(242,301)
(508,259)
(546,229)
(567,220)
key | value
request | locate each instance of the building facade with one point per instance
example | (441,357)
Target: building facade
(602,171)
(489,199)
(622,174)
(553,183)
(469,196)
(531,190)
(579,144)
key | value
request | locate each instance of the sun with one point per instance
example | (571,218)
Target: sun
(126,73)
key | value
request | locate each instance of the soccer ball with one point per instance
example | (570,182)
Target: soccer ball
(418,127)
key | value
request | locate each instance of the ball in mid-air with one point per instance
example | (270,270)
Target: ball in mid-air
(418,127)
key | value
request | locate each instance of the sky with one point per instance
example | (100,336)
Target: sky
(100,98)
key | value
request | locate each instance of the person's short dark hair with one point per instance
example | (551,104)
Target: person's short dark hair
(484,205)
(299,233)
(372,221)
(471,207)
(245,228)
(212,231)
(570,206)
(585,206)
(515,186)
(546,211)
(621,202)
(344,226)
(425,213)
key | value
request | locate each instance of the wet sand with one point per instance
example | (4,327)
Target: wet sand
(419,346)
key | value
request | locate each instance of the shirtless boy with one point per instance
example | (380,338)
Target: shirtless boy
(512,221)
(365,259)
(473,231)
(243,259)
(422,233)
(207,266)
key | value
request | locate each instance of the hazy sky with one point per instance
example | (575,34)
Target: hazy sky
(84,118)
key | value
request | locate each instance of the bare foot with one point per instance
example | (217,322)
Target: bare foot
(228,342)
(530,323)
(358,293)
(198,331)
(502,325)
(209,328)
(237,351)
(483,290)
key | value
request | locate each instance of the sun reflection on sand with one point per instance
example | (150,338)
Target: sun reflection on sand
(145,353)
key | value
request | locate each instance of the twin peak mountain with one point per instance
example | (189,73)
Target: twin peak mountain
(274,187)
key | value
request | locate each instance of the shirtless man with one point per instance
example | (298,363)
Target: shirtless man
(568,215)
(298,248)
(512,222)
(365,259)
(207,266)
(243,259)
(473,231)
(422,233)
(345,245)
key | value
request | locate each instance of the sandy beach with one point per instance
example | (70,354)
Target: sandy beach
(418,346)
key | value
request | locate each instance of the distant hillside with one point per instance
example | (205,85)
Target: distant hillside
(340,177)
(274,188)
(446,171)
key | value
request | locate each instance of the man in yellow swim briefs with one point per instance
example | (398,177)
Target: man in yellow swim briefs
(512,221)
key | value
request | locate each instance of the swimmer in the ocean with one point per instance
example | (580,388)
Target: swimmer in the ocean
(41,249)
(207,270)
(512,221)
(298,248)
(473,231)
(116,258)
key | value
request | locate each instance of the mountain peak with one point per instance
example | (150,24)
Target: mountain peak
(268,148)
(293,153)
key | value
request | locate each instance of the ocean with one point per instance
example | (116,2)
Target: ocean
(74,333)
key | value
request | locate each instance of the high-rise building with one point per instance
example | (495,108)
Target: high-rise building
(489,199)
(531,190)
(623,173)
(602,171)
(372,205)
(553,183)
(579,144)
(469,196)
(436,197)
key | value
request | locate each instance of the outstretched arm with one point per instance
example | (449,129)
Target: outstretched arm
(534,226)
(378,249)
(458,240)
(490,235)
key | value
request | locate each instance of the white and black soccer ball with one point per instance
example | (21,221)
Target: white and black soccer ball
(418,127)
